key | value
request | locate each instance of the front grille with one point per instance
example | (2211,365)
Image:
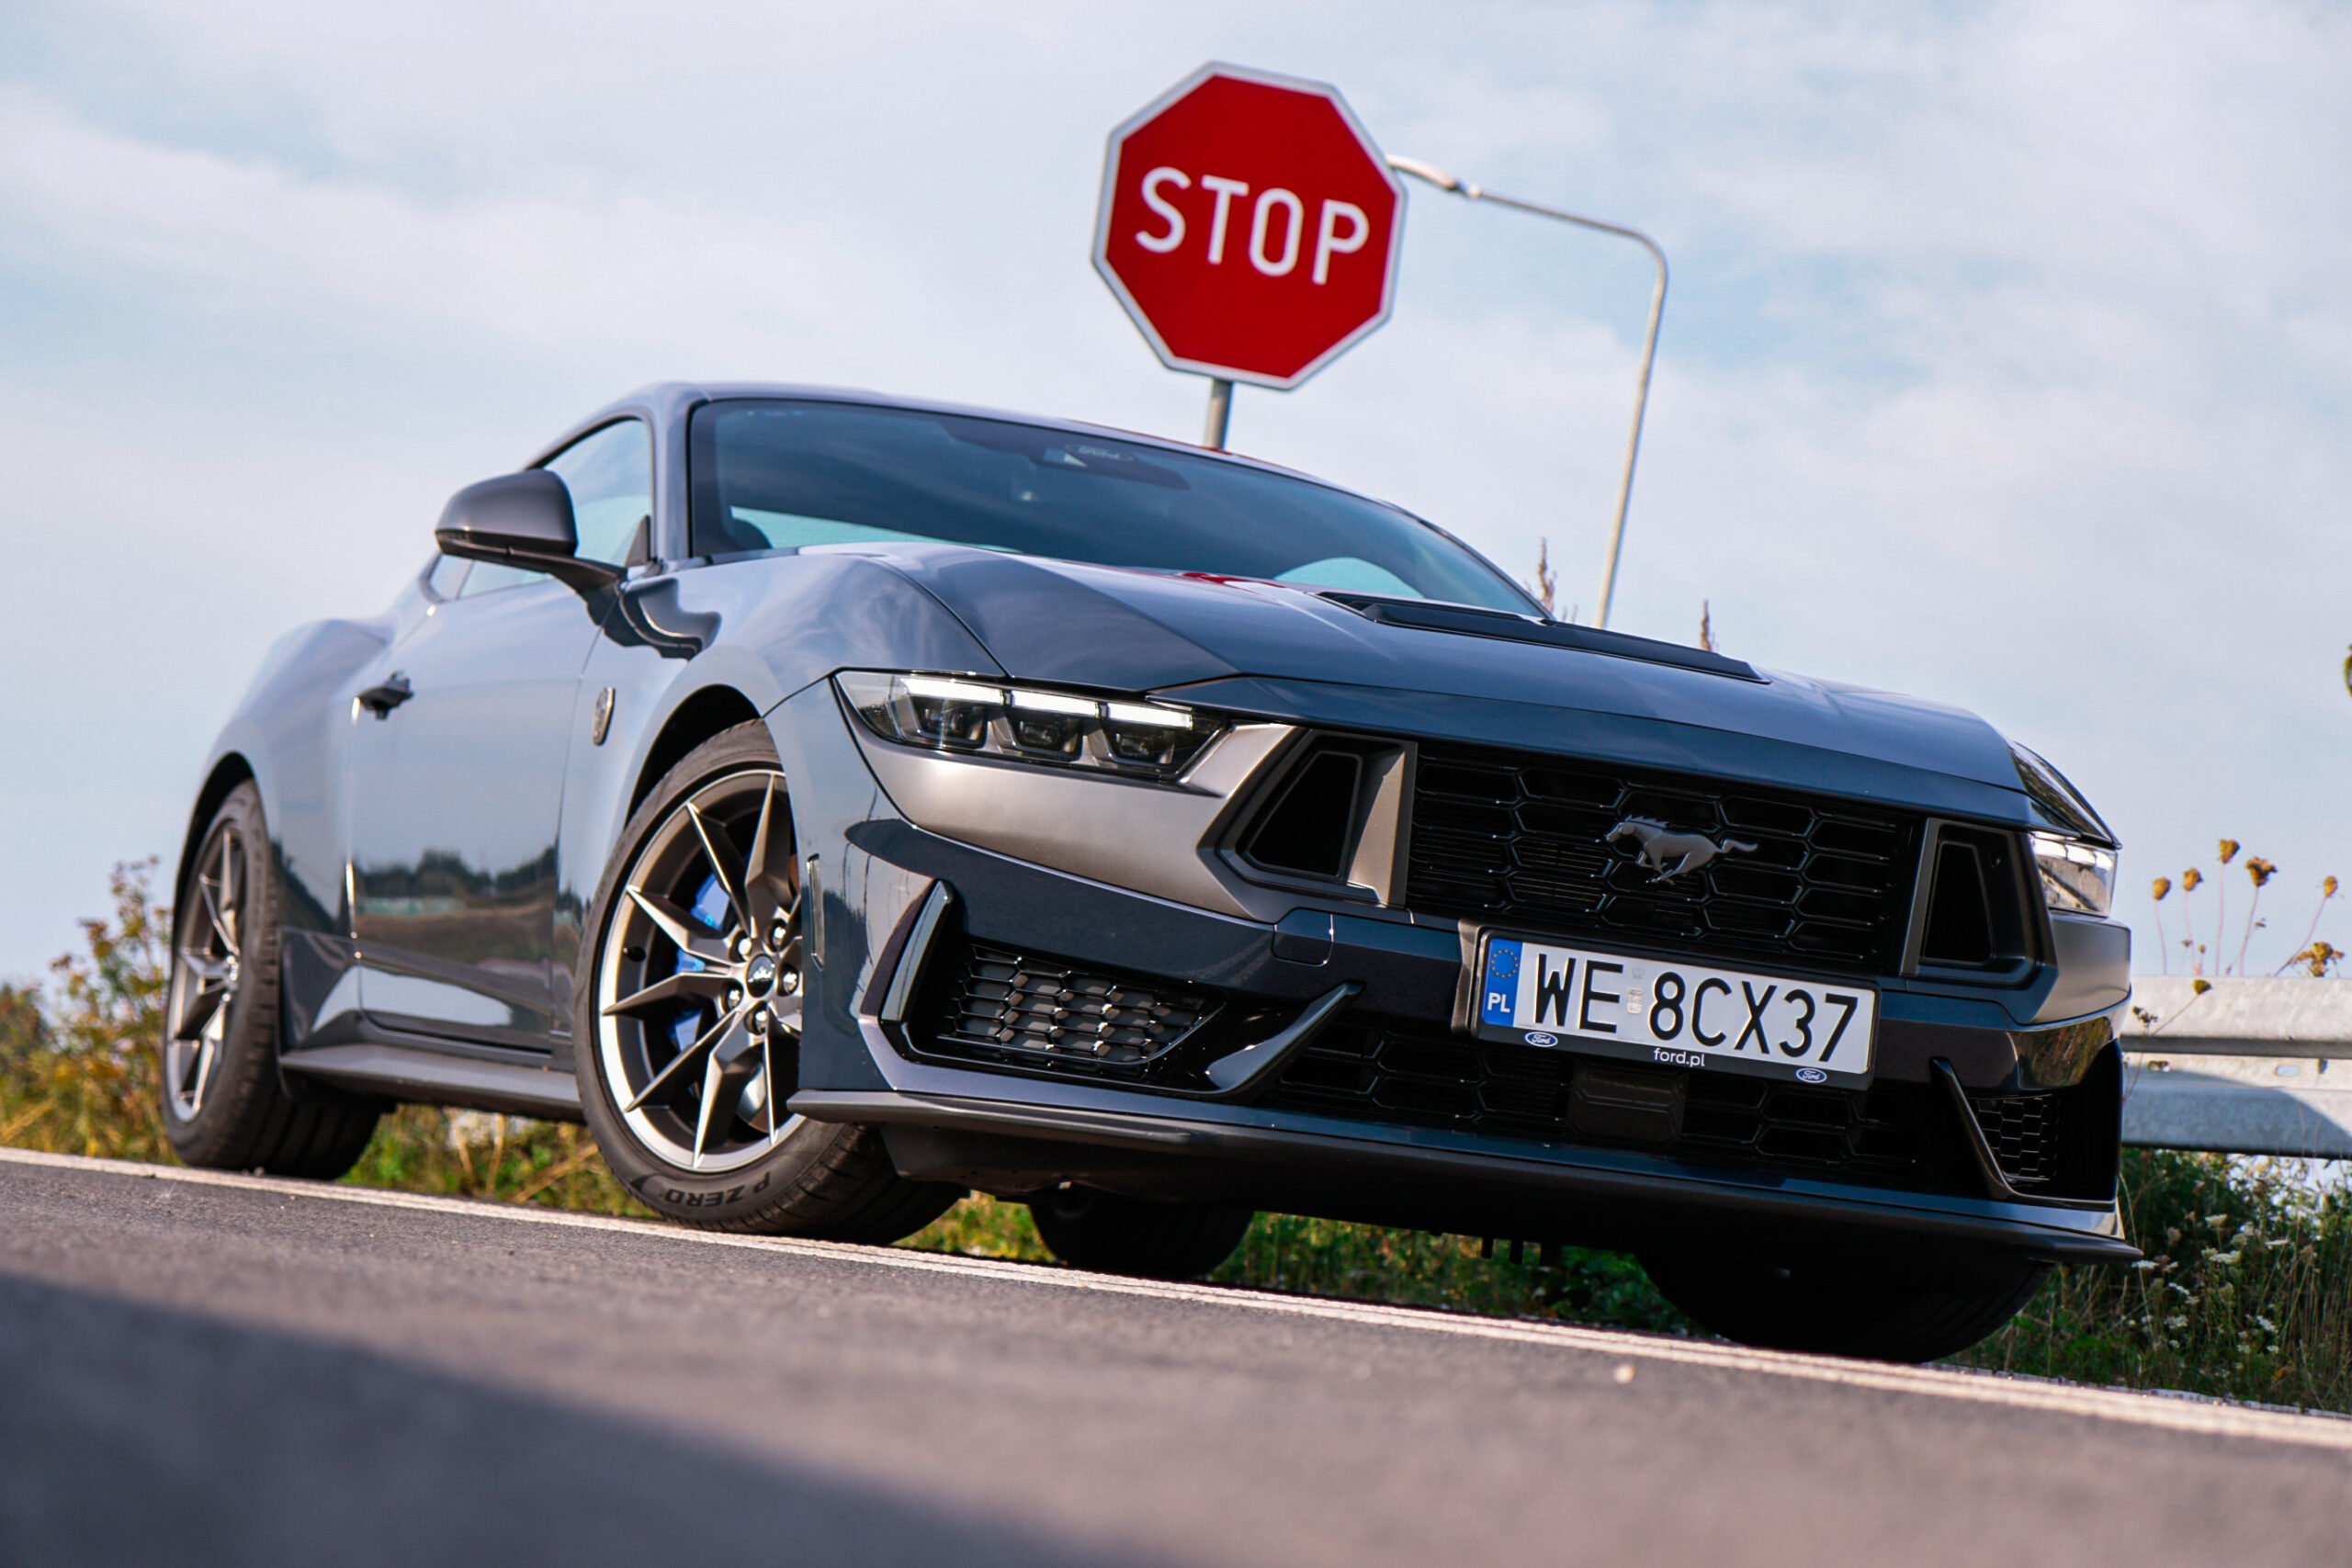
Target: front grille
(1891,1134)
(988,1003)
(2024,1132)
(1505,837)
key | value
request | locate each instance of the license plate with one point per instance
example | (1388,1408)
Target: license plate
(1684,1015)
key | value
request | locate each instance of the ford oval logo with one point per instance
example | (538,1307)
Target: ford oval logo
(1537,1037)
(1812,1074)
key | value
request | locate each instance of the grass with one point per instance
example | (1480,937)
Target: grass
(2247,1291)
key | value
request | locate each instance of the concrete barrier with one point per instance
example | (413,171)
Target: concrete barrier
(2258,1067)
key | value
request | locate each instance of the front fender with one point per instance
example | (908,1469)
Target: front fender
(288,733)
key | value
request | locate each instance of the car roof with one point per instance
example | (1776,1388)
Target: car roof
(669,401)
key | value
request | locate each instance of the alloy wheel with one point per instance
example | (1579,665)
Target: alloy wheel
(208,961)
(699,979)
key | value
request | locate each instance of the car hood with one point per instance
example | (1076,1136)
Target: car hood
(1276,650)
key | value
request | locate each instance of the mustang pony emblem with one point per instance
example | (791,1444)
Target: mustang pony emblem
(1661,843)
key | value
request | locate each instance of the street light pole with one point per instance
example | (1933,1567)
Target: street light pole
(1464,188)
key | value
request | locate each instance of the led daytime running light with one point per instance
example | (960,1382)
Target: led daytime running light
(1029,724)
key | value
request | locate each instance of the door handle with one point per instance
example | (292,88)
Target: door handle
(381,700)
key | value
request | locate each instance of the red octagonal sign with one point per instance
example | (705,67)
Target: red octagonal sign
(1250,226)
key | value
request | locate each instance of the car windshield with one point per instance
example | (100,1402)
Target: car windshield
(782,475)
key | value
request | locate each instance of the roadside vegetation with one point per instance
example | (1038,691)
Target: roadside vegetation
(2247,1291)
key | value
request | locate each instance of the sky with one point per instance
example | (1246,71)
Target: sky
(2008,360)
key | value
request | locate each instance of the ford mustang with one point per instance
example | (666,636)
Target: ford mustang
(842,802)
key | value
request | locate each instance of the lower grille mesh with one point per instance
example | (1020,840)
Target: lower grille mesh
(2024,1132)
(1891,1134)
(996,1003)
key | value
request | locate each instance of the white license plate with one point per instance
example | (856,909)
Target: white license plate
(1684,1015)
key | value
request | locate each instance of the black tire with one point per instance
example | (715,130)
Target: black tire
(224,1104)
(1112,1235)
(1845,1309)
(763,1172)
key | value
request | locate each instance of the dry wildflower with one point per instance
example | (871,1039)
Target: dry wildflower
(2229,851)
(2327,887)
(2163,886)
(2260,870)
(2200,987)
(2190,878)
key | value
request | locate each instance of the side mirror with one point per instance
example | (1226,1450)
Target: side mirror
(523,520)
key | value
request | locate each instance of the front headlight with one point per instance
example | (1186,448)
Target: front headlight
(1028,723)
(2077,876)
(2076,862)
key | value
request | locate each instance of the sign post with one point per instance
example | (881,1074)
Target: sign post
(1251,230)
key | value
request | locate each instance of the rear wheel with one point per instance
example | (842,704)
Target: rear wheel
(224,1104)
(1126,1236)
(687,1020)
(1845,1309)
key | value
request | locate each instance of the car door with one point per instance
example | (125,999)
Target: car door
(456,784)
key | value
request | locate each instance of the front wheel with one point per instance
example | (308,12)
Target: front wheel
(687,1020)
(1846,1310)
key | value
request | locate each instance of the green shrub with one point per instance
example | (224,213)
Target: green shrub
(2246,1290)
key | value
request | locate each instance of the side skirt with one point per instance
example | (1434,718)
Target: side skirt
(401,1072)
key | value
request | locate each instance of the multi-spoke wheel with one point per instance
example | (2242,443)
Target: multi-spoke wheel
(688,1027)
(224,1104)
(205,969)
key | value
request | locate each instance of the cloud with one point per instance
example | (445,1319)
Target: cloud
(2006,359)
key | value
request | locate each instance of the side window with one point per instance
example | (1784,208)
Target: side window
(610,475)
(489,576)
(448,576)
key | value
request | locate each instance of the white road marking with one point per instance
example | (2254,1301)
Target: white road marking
(2171,1413)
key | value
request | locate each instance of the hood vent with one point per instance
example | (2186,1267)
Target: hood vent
(1424,615)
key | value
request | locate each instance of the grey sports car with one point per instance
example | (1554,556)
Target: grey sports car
(842,802)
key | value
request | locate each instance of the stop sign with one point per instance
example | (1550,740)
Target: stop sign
(1250,226)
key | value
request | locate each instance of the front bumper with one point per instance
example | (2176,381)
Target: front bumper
(1013,1132)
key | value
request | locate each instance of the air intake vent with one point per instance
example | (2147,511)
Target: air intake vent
(1330,820)
(1975,910)
(1309,827)
(1959,920)
(993,1004)
(2024,1132)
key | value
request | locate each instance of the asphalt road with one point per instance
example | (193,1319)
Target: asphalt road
(205,1369)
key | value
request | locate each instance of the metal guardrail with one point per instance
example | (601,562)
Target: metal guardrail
(2258,1067)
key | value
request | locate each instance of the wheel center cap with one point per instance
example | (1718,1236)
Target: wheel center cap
(759,978)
